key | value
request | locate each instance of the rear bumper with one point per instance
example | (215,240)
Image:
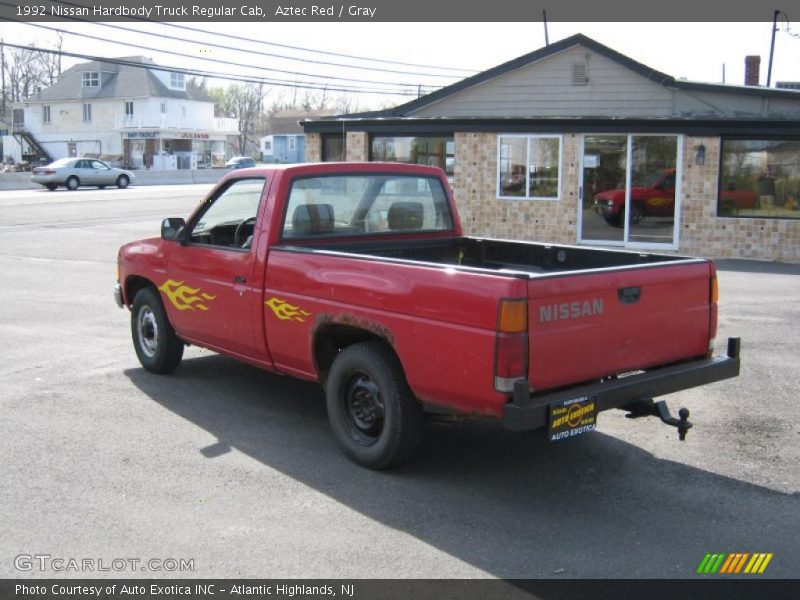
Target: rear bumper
(528,411)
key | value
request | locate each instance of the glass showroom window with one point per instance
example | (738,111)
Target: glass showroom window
(433,151)
(333,147)
(760,178)
(529,167)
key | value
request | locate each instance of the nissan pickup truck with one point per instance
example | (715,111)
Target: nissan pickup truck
(359,277)
(656,198)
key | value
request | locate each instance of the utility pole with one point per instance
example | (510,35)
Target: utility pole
(544,20)
(772,45)
(3,68)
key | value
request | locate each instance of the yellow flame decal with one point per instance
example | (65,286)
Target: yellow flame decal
(184,297)
(286,312)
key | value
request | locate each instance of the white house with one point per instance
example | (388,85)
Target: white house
(128,111)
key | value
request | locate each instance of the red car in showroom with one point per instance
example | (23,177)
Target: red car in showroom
(657,198)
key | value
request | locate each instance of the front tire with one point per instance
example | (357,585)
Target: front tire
(123,181)
(372,411)
(157,346)
(637,214)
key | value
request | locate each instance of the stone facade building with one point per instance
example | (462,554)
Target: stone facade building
(578,144)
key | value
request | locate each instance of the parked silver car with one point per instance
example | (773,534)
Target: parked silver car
(75,172)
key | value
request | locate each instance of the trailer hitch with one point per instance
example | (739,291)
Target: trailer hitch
(649,408)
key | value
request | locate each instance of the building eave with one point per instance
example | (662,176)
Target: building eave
(439,125)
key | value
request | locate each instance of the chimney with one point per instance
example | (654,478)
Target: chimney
(752,66)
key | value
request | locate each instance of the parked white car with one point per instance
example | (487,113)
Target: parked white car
(73,173)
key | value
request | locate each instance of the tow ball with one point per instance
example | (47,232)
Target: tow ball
(649,408)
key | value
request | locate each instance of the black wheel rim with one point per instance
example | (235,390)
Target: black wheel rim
(363,409)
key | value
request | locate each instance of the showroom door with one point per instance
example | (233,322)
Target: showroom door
(630,191)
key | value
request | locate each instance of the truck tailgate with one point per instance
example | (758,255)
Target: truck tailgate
(585,326)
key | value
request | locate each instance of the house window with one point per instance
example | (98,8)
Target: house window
(90,79)
(528,167)
(177,81)
(128,109)
(759,178)
(292,143)
(72,149)
(87,113)
(267,145)
(422,150)
(163,108)
(46,113)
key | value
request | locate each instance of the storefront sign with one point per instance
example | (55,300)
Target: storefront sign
(143,135)
(194,136)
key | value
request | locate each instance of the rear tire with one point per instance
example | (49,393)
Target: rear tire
(51,186)
(372,411)
(123,181)
(73,183)
(157,346)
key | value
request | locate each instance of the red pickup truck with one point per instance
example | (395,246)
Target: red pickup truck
(358,276)
(656,197)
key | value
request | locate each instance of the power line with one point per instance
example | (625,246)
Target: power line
(208,59)
(287,46)
(256,52)
(215,75)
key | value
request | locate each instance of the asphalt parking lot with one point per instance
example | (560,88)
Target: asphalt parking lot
(237,470)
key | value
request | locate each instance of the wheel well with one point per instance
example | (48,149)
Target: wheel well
(332,339)
(133,284)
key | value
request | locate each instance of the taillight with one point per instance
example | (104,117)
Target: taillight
(713,299)
(511,344)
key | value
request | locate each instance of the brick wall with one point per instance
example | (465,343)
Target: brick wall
(482,214)
(357,146)
(313,147)
(702,233)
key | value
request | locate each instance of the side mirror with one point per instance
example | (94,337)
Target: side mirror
(173,229)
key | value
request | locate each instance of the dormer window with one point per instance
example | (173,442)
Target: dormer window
(177,81)
(91,79)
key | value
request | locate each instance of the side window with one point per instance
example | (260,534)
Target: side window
(96,164)
(228,220)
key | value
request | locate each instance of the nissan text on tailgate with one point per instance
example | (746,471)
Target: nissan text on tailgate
(358,276)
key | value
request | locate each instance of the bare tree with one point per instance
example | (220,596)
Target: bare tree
(243,102)
(27,70)
(50,64)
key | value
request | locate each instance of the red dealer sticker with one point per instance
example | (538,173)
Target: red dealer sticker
(572,417)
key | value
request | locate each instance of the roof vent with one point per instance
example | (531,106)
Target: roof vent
(579,76)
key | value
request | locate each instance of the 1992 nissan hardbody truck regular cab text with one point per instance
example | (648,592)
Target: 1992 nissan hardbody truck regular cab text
(358,276)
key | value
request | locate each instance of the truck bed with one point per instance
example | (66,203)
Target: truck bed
(592,313)
(514,257)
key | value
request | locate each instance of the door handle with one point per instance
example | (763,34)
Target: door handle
(240,279)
